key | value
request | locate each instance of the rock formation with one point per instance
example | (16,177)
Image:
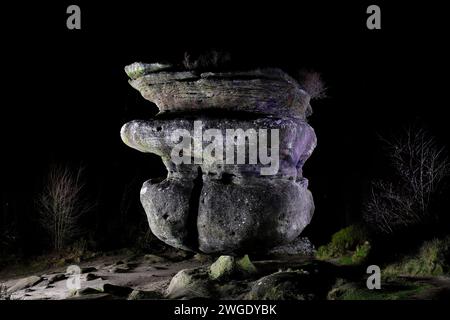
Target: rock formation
(208,204)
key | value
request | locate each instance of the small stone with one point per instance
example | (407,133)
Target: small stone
(223,267)
(289,285)
(245,266)
(86,291)
(92,276)
(56,277)
(115,290)
(227,266)
(189,283)
(144,295)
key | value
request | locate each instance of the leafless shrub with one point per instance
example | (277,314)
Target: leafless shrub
(211,59)
(420,163)
(389,208)
(421,166)
(62,203)
(312,82)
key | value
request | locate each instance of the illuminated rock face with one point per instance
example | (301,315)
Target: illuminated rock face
(209,203)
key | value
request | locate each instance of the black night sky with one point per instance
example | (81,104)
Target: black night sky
(66,96)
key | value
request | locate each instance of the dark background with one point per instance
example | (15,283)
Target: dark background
(65,94)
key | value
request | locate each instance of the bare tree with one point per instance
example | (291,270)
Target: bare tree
(421,166)
(312,82)
(62,203)
(420,163)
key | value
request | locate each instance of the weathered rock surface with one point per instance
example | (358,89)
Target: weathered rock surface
(207,203)
(189,283)
(297,141)
(144,295)
(24,283)
(120,291)
(291,285)
(264,91)
(226,267)
(300,246)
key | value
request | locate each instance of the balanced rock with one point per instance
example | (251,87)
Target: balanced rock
(234,145)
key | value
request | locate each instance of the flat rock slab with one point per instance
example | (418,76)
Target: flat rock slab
(24,283)
(263,91)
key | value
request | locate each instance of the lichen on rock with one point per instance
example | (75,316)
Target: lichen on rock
(226,267)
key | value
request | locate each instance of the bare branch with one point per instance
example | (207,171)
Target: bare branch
(421,167)
(61,204)
(312,82)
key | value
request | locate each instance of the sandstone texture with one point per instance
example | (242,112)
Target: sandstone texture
(210,204)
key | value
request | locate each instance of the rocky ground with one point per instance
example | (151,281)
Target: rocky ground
(182,276)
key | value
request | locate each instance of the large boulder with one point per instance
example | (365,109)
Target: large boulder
(207,203)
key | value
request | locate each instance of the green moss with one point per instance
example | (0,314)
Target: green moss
(227,266)
(245,265)
(432,259)
(222,267)
(348,245)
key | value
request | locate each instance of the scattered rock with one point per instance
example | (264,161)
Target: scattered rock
(340,288)
(87,291)
(226,267)
(56,277)
(24,283)
(290,285)
(189,284)
(222,268)
(245,266)
(93,296)
(144,295)
(92,276)
(115,290)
